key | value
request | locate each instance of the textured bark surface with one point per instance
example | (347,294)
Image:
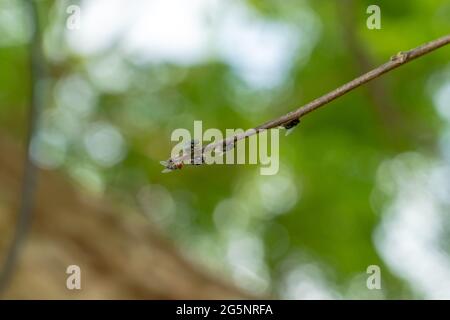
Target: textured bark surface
(120,255)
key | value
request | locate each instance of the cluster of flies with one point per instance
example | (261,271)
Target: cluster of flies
(196,152)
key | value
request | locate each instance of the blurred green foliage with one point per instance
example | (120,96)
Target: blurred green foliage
(321,209)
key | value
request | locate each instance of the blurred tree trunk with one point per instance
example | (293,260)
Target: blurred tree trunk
(120,256)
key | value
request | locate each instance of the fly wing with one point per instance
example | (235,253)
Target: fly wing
(289,131)
(166,166)
(219,150)
(228,147)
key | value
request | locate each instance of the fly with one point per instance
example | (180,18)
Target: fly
(196,157)
(290,125)
(170,165)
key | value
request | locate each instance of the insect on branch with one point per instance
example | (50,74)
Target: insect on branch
(291,119)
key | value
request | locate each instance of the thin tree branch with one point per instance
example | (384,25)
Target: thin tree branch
(396,61)
(30,171)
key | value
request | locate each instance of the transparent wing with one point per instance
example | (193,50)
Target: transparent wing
(224,148)
(289,131)
(228,147)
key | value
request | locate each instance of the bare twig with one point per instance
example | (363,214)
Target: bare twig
(395,62)
(30,171)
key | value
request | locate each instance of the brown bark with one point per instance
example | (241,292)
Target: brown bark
(120,255)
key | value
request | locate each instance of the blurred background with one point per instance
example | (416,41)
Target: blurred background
(363,181)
